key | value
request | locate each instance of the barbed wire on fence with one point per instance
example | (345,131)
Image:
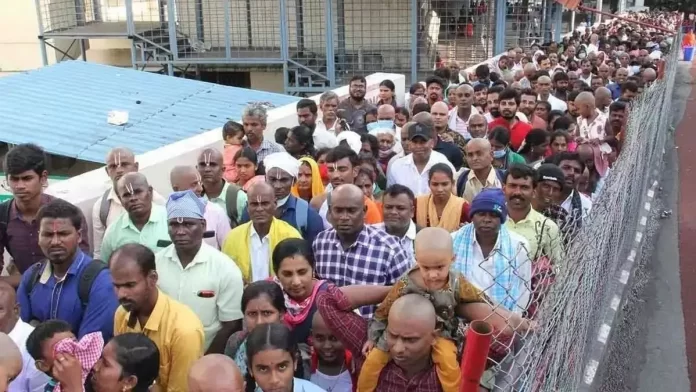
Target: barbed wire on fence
(569,295)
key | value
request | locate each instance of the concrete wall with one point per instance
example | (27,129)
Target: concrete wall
(84,189)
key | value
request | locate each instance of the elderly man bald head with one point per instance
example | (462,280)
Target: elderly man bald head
(119,161)
(478,126)
(215,373)
(186,177)
(135,194)
(479,156)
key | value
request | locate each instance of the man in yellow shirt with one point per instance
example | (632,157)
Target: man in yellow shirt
(175,329)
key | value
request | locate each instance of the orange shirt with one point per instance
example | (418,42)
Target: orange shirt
(374,213)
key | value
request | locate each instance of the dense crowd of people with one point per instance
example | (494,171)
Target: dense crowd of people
(348,254)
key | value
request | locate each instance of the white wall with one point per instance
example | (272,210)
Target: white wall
(84,189)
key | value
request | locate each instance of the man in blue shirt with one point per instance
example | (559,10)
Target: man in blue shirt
(281,173)
(68,285)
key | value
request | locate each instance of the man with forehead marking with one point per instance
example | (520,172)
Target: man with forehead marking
(251,244)
(343,166)
(281,173)
(229,197)
(216,220)
(143,223)
(108,207)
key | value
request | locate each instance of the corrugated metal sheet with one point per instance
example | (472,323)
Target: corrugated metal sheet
(64,108)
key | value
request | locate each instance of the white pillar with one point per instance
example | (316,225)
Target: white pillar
(572,21)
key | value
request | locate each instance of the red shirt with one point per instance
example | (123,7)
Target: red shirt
(517,132)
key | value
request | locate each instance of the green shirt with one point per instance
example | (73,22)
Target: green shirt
(123,231)
(209,271)
(542,234)
(221,200)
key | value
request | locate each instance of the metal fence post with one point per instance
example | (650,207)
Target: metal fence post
(414,41)
(173,45)
(284,48)
(500,11)
(558,21)
(330,56)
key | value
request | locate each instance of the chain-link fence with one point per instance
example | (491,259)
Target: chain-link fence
(568,294)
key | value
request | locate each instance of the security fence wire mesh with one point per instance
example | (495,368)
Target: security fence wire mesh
(569,293)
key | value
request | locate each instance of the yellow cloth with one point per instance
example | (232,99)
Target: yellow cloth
(178,334)
(451,214)
(317,185)
(444,354)
(237,244)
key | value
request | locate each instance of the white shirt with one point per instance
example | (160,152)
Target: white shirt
(324,138)
(408,240)
(216,220)
(460,125)
(115,211)
(338,383)
(260,254)
(404,171)
(30,379)
(556,104)
(587,80)
(209,271)
(595,129)
(585,201)
(482,272)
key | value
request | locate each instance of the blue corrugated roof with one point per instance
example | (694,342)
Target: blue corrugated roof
(64,108)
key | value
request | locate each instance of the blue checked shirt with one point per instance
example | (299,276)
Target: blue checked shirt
(267,148)
(376,258)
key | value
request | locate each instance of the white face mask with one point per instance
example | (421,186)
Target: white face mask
(281,202)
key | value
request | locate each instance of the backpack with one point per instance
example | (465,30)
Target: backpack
(301,213)
(231,204)
(84,286)
(104,207)
(461,181)
(4,222)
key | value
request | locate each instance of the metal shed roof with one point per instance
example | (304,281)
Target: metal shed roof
(64,108)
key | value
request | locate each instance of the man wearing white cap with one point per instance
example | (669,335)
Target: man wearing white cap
(281,173)
(198,275)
